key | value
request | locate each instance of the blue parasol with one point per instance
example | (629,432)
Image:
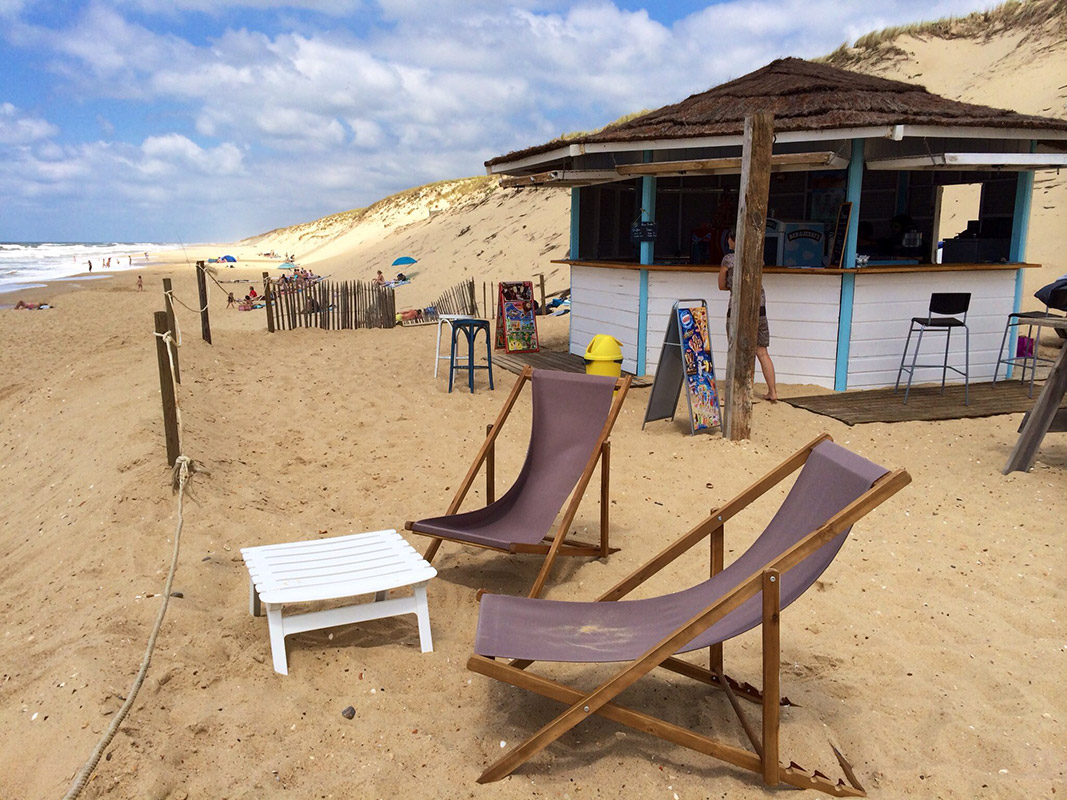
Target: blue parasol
(404,261)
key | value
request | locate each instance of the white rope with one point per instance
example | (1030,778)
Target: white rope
(174,297)
(183,467)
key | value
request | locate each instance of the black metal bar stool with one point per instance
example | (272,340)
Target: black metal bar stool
(1057,299)
(469,329)
(947,305)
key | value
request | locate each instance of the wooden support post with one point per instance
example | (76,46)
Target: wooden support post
(1040,419)
(166,389)
(605,499)
(771,674)
(490,461)
(172,326)
(201,285)
(748,272)
(718,549)
(267,294)
(541,276)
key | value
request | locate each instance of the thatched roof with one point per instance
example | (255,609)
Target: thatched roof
(803,96)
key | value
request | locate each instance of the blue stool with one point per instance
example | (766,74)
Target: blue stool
(469,328)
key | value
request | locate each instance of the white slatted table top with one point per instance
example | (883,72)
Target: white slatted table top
(341,566)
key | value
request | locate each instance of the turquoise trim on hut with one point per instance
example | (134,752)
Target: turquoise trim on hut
(848,280)
(648,214)
(1020,229)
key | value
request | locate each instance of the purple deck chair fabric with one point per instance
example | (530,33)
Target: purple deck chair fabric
(569,413)
(552,630)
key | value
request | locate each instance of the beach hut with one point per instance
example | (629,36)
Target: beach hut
(860,166)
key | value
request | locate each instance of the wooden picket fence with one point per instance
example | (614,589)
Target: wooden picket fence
(330,305)
(460,299)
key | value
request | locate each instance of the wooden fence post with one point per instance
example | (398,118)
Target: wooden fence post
(172,327)
(166,389)
(541,275)
(747,277)
(201,285)
(267,297)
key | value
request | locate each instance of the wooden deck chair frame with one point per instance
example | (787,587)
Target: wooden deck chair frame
(765,758)
(557,544)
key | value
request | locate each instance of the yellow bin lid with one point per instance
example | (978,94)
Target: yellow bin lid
(604,348)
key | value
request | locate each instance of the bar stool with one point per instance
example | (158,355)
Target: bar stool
(947,305)
(1057,299)
(469,329)
(443,319)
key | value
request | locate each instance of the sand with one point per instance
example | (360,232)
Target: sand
(931,652)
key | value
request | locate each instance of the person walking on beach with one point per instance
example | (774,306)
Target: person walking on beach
(140,284)
(230,301)
(90,266)
(763,333)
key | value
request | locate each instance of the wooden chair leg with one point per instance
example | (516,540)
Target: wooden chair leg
(431,551)
(717,556)
(605,497)
(771,674)
(490,468)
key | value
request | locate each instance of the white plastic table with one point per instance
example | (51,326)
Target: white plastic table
(441,320)
(329,569)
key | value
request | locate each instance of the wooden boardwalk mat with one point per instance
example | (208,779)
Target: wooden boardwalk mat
(551,359)
(924,403)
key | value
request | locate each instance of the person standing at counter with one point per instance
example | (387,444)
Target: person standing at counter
(763,334)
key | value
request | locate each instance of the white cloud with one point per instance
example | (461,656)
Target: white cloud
(17,128)
(342,111)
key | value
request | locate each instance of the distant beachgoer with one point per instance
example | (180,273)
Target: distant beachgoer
(252,292)
(131,260)
(379,279)
(230,301)
(90,266)
(140,284)
(400,276)
(146,256)
(763,332)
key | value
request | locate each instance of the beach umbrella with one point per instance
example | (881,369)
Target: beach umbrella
(403,261)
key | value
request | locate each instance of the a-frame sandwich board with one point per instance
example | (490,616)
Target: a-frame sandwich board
(686,359)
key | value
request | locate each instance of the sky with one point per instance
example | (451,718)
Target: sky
(212,120)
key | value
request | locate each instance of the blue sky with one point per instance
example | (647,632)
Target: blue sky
(211,120)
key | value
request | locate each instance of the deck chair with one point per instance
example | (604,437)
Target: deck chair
(835,488)
(573,415)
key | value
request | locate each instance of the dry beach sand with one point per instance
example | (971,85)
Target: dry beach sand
(932,651)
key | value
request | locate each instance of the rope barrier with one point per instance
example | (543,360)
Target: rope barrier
(183,468)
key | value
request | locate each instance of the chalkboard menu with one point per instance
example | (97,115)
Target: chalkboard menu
(837,247)
(643,232)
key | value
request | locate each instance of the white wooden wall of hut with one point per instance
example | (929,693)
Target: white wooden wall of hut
(803,312)
(882,311)
(605,301)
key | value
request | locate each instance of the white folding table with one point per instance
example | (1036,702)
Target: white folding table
(329,569)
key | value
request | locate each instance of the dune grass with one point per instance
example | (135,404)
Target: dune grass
(1011,15)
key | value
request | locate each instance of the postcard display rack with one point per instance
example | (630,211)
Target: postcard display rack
(516,319)
(686,359)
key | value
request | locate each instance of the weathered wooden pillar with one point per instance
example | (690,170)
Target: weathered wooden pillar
(270,304)
(166,390)
(201,285)
(748,273)
(172,326)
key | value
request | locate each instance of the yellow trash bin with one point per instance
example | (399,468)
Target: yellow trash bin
(603,356)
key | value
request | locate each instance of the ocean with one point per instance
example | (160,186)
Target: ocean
(27,265)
